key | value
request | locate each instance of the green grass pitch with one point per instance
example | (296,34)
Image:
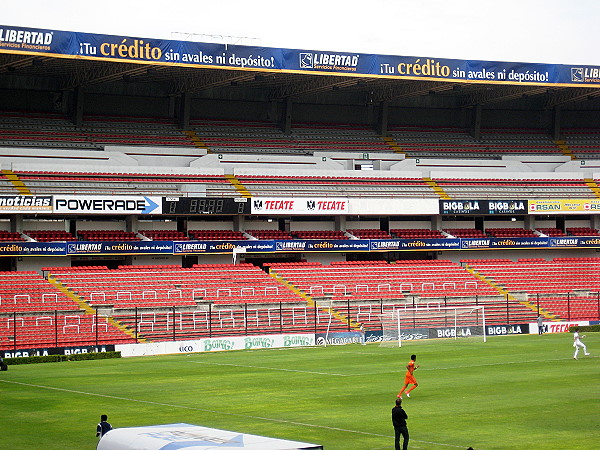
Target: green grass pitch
(514,392)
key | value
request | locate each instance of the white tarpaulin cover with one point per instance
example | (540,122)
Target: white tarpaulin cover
(185,436)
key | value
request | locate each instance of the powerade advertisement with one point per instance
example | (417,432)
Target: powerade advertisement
(66,44)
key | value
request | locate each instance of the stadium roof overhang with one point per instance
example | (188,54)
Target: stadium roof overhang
(59,74)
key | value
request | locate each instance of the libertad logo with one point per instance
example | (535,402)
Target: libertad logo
(306,61)
(585,74)
(329,61)
(577,74)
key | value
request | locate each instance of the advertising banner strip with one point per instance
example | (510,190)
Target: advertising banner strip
(303,205)
(103,204)
(484,207)
(33,249)
(564,206)
(66,44)
(503,243)
(119,248)
(307,206)
(413,244)
(96,248)
(198,247)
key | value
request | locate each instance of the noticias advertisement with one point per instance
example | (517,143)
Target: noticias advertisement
(17,204)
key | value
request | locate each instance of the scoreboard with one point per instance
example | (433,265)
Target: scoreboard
(205,205)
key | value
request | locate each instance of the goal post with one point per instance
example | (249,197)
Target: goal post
(325,306)
(410,324)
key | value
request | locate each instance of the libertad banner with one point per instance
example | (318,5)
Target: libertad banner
(65,44)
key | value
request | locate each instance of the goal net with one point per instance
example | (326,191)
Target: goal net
(325,315)
(410,324)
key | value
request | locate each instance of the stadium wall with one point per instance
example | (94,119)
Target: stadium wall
(516,118)
(126,105)
(430,117)
(515,255)
(234,110)
(34,263)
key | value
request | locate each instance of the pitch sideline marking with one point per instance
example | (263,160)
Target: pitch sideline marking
(272,368)
(377,373)
(170,405)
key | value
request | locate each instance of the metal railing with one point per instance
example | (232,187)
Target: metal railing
(54,328)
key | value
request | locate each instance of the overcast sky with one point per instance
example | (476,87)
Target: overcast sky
(547,31)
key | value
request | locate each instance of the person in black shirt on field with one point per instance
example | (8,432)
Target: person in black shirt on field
(103,427)
(399,417)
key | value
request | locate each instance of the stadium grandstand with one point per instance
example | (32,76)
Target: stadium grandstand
(150,201)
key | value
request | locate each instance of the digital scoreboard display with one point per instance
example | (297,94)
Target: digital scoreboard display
(205,206)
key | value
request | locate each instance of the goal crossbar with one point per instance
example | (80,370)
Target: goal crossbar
(443,322)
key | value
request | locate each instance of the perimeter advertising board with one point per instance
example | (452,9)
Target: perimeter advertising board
(506,330)
(339,338)
(45,351)
(217,344)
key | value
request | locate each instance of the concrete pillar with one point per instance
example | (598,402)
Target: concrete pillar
(529,222)
(131,224)
(476,122)
(436,223)
(172,103)
(286,121)
(184,111)
(16,223)
(556,123)
(340,223)
(238,223)
(382,120)
(78,101)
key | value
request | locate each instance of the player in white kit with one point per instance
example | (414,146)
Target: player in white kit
(578,344)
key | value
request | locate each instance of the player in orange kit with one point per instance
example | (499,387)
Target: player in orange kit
(409,377)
